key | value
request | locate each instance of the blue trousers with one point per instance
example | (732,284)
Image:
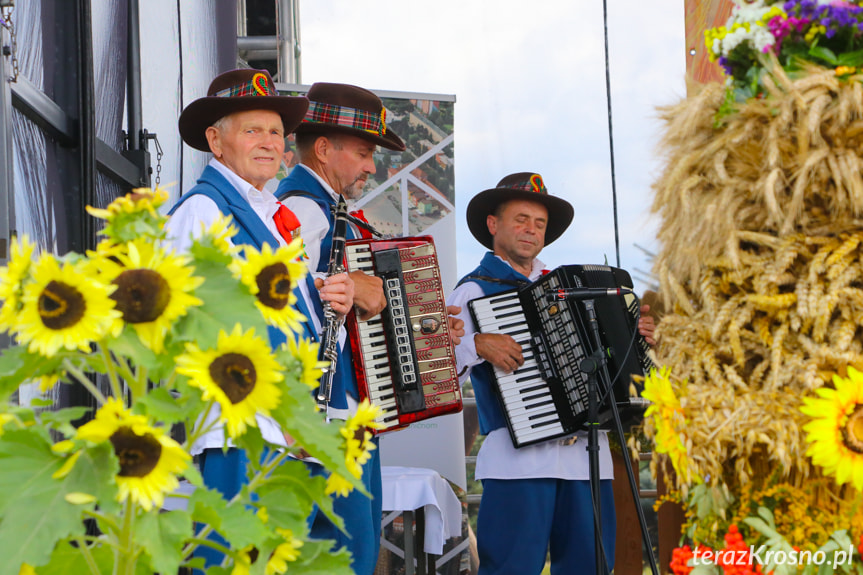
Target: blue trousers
(225,472)
(362,517)
(521,519)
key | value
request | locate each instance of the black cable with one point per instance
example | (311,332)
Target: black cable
(610,132)
(180,92)
(626,355)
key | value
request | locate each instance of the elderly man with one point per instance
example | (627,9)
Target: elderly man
(243,122)
(535,498)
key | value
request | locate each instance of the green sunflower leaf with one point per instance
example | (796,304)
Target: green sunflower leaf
(62,419)
(226,303)
(298,416)
(129,346)
(166,407)
(162,535)
(289,494)
(17,365)
(236,522)
(316,558)
(33,506)
(67,559)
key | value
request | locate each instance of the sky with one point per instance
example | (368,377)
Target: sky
(530,85)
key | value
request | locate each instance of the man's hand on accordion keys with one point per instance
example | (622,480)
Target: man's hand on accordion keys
(500,350)
(369,295)
(647,325)
(338,289)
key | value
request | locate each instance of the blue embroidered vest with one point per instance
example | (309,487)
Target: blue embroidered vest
(251,231)
(301,183)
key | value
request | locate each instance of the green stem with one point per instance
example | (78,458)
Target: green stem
(197,432)
(169,383)
(201,539)
(109,521)
(142,374)
(126,542)
(88,556)
(111,367)
(84,380)
(267,468)
(123,369)
(100,540)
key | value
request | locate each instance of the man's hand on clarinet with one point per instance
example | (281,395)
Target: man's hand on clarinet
(338,289)
(646,325)
(369,295)
(456,325)
(500,350)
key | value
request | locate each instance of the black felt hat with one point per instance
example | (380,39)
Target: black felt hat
(521,186)
(238,91)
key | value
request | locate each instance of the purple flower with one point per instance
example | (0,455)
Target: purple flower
(723,61)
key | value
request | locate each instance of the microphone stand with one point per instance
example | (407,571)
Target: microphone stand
(590,365)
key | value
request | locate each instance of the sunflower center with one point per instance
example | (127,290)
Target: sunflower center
(235,374)
(142,295)
(852,431)
(138,454)
(274,285)
(61,305)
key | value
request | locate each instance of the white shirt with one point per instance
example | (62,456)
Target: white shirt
(186,223)
(314,224)
(498,458)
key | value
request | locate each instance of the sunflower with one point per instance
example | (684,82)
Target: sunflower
(240,374)
(139,200)
(64,308)
(283,554)
(835,433)
(306,353)
(154,288)
(669,420)
(219,234)
(358,446)
(12,278)
(4,419)
(133,215)
(272,276)
(338,485)
(149,459)
(244,559)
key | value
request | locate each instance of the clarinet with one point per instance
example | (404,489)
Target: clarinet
(329,347)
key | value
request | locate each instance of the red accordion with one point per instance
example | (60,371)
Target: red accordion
(404,357)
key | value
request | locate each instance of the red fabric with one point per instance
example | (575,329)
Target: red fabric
(286,222)
(543,272)
(364,233)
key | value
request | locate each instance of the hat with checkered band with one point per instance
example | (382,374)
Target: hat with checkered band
(347,109)
(521,186)
(238,91)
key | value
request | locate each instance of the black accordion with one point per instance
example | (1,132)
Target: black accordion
(547,397)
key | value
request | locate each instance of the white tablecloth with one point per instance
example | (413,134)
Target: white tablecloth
(409,488)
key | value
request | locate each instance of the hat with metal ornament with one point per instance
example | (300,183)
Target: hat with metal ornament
(238,91)
(347,109)
(521,186)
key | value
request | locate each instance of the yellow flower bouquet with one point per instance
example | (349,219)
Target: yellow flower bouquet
(161,341)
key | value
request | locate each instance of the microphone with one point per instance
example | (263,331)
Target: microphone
(584,293)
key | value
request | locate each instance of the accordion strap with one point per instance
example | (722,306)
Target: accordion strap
(514,283)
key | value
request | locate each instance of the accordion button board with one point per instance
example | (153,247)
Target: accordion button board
(405,356)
